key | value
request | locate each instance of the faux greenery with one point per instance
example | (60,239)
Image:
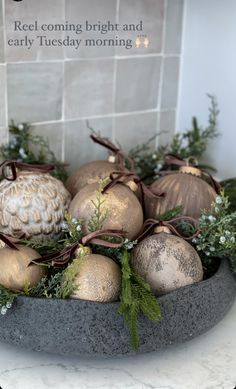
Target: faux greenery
(217,237)
(26,147)
(100,213)
(229,187)
(7,298)
(135,298)
(190,143)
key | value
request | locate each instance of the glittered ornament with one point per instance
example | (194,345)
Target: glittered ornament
(15,272)
(98,279)
(184,188)
(119,207)
(167,262)
(94,171)
(32,202)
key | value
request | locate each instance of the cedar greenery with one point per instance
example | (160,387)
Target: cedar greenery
(191,143)
(26,147)
(135,298)
(100,213)
(229,187)
(217,237)
(7,298)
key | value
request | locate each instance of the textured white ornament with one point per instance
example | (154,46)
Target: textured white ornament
(34,204)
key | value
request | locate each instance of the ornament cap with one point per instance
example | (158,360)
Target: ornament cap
(132,185)
(159,229)
(111,159)
(190,170)
(81,251)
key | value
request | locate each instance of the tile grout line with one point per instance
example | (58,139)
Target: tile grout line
(121,114)
(63,98)
(5,66)
(136,56)
(184,18)
(159,95)
(115,79)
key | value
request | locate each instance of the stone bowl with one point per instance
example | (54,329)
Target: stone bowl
(82,328)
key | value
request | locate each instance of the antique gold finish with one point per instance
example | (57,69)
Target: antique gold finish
(90,173)
(122,209)
(15,274)
(190,170)
(132,186)
(188,191)
(159,229)
(167,262)
(99,279)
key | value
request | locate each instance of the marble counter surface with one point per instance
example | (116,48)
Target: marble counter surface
(207,362)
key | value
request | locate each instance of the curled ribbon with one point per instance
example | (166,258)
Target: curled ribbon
(9,241)
(124,177)
(150,224)
(172,159)
(66,255)
(121,157)
(13,165)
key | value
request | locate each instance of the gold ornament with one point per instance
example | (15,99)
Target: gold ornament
(91,173)
(99,279)
(15,274)
(184,188)
(34,205)
(167,262)
(119,204)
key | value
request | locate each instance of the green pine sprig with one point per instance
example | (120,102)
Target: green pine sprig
(29,148)
(135,298)
(100,212)
(7,298)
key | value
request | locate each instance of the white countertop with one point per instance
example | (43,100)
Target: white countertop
(207,362)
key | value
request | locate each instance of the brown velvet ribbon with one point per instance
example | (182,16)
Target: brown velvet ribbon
(9,241)
(13,165)
(66,255)
(121,157)
(124,177)
(150,224)
(172,159)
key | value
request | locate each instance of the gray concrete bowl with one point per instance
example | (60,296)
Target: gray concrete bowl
(81,328)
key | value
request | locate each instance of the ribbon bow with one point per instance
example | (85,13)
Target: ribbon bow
(150,224)
(121,157)
(124,177)
(66,255)
(9,241)
(172,159)
(13,165)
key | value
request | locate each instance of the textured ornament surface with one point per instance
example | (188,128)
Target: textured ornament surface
(99,279)
(192,193)
(167,262)
(34,204)
(89,173)
(15,273)
(124,211)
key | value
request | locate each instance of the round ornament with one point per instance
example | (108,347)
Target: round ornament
(90,173)
(98,279)
(33,204)
(167,262)
(94,171)
(184,188)
(119,208)
(15,272)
